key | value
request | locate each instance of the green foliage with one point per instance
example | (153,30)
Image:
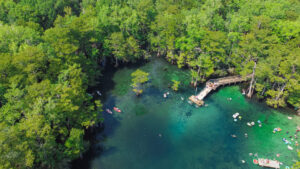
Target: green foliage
(123,49)
(74,143)
(175,85)
(297,164)
(44,106)
(138,78)
(52,51)
(34,12)
(41,113)
(14,36)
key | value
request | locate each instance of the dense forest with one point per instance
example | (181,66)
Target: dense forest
(52,52)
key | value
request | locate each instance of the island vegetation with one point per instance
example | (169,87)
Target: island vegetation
(138,78)
(52,53)
(175,85)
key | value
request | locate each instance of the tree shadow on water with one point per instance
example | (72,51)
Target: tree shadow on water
(104,83)
(94,152)
(99,137)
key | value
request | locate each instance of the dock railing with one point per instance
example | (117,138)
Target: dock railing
(213,84)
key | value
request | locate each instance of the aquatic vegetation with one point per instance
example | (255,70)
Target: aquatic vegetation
(138,78)
(175,85)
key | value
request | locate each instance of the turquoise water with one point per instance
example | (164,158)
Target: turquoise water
(153,132)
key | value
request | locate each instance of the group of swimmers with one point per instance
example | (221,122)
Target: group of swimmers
(235,116)
(166,94)
(292,138)
(277,129)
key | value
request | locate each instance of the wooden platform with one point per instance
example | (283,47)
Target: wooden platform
(213,84)
(268,163)
(196,101)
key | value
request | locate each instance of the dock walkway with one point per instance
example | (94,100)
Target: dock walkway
(213,84)
(268,163)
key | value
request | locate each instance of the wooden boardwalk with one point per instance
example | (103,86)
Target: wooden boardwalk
(268,163)
(213,84)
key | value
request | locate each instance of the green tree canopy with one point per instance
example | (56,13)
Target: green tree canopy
(138,78)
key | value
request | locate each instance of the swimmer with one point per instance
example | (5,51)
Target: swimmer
(233,135)
(246,135)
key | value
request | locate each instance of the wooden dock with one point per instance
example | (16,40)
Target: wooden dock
(268,163)
(196,101)
(213,84)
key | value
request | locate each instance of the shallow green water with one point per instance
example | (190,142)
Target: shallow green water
(157,133)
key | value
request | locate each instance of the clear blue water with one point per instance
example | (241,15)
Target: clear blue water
(157,133)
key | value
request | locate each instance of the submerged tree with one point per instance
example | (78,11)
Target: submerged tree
(175,85)
(138,78)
